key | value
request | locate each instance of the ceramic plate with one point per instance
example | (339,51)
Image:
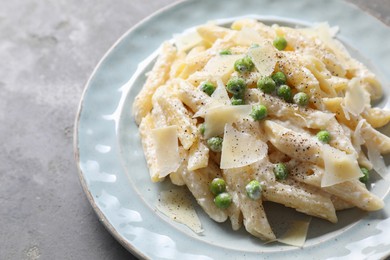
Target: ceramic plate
(113,170)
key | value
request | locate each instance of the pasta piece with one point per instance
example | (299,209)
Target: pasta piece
(254,217)
(367,131)
(371,135)
(158,76)
(334,105)
(340,204)
(191,96)
(177,114)
(145,130)
(369,80)
(350,191)
(198,182)
(178,65)
(292,194)
(318,69)
(234,212)
(300,76)
(195,61)
(157,113)
(377,117)
(296,145)
(304,117)
(301,197)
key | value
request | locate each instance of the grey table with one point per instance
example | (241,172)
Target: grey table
(48,49)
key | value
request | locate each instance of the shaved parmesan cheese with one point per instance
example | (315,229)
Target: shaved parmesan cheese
(247,36)
(165,141)
(218,98)
(377,160)
(356,98)
(221,66)
(216,118)
(240,149)
(296,234)
(339,166)
(264,58)
(345,111)
(198,156)
(176,204)
(187,41)
(220,95)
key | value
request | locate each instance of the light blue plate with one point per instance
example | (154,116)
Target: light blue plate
(112,167)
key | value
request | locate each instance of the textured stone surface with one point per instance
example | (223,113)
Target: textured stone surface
(48,49)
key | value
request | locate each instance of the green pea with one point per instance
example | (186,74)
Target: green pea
(236,86)
(258,112)
(202,128)
(208,88)
(301,99)
(217,186)
(244,65)
(225,52)
(215,143)
(280,43)
(284,92)
(253,190)
(237,101)
(266,84)
(279,78)
(280,171)
(366,176)
(323,136)
(223,200)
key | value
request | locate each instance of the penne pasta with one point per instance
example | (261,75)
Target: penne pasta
(157,77)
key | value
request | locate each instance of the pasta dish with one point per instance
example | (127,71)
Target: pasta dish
(256,113)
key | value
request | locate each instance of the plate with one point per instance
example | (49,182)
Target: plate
(113,170)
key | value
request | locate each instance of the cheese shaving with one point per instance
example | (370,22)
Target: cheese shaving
(296,234)
(377,160)
(219,98)
(356,98)
(247,36)
(165,141)
(187,41)
(216,118)
(264,58)
(176,204)
(221,66)
(339,167)
(240,149)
